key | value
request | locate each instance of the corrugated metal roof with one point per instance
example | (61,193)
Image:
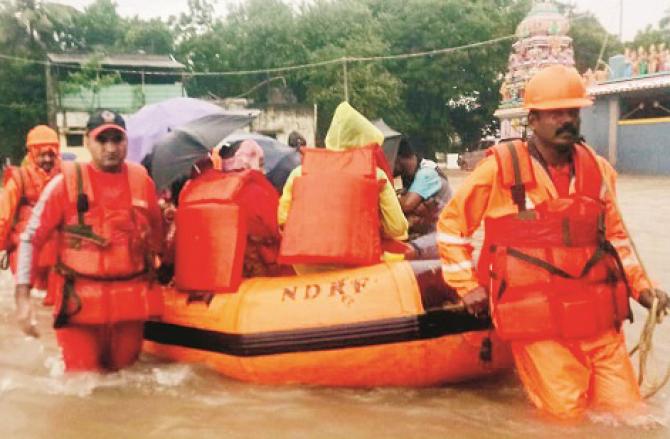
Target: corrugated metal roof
(660,80)
(125,60)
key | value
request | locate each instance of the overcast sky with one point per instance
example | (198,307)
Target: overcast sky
(637,14)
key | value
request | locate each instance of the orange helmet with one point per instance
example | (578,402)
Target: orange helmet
(42,135)
(556,87)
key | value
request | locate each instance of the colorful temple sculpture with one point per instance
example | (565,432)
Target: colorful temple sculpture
(629,122)
(633,63)
(543,41)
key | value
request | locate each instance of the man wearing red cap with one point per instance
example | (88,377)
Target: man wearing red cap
(557,266)
(22,187)
(110,230)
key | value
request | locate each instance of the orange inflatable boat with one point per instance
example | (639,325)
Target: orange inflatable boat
(382,325)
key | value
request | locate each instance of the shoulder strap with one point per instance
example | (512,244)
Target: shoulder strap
(23,198)
(588,178)
(80,194)
(138,181)
(15,173)
(77,181)
(9,173)
(515,170)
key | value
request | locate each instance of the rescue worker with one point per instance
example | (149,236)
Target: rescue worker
(426,189)
(22,187)
(347,203)
(109,227)
(557,266)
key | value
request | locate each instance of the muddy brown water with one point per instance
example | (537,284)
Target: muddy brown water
(154,399)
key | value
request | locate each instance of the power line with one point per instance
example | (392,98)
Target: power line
(285,69)
(345,59)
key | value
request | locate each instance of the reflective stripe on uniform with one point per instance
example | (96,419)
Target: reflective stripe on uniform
(459,266)
(529,203)
(620,242)
(446,238)
(630,261)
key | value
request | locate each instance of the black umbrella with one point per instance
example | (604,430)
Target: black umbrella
(391,141)
(279,158)
(175,153)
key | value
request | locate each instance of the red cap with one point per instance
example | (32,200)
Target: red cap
(104,120)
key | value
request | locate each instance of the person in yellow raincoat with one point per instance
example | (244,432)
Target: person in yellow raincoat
(557,266)
(350,130)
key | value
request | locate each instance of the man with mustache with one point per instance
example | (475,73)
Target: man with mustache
(557,266)
(109,227)
(22,187)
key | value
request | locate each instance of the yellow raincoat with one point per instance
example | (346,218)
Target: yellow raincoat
(350,129)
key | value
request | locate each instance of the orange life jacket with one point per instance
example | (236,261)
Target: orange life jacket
(550,270)
(104,253)
(30,183)
(212,231)
(334,215)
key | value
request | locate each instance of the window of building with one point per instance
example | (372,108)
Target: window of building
(646,107)
(74,140)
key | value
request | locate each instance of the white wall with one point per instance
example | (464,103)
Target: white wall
(282,119)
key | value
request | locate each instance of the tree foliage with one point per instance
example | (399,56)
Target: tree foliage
(592,43)
(442,101)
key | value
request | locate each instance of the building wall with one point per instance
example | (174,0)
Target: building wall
(595,126)
(279,120)
(644,146)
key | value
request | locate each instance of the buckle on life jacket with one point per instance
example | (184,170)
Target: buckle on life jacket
(83,232)
(63,315)
(70,296)
(486,350)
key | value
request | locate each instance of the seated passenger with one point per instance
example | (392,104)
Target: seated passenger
(259,200)
(226,223)
(338,206)
(425,190)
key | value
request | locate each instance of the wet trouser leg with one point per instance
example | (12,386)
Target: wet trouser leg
(100,347)
(614,385)
(125,344)
(565,378)
(81,346)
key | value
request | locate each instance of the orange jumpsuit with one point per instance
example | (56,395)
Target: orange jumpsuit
(21,191)
(562,377)
(105,245)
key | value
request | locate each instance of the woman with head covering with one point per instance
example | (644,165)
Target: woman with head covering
(258,199)
(231,206)
(249,155)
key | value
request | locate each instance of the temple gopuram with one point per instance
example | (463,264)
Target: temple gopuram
(543,41)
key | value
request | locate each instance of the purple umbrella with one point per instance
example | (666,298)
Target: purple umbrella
(152,122)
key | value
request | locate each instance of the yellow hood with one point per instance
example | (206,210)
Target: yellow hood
(350,129)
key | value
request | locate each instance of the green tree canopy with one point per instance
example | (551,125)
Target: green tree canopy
(442,101)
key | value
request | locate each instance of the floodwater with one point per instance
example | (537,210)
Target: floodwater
(154,399)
